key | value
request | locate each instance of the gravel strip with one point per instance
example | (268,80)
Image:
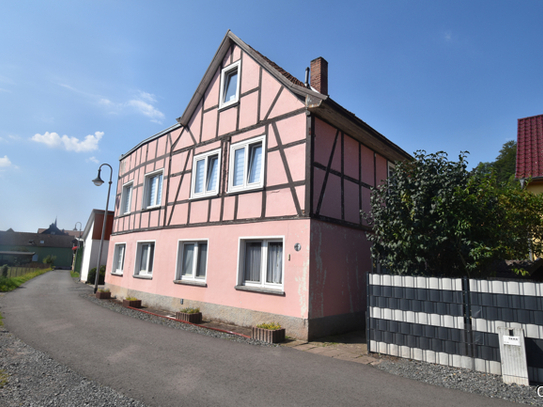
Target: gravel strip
(484,384)
(114,306)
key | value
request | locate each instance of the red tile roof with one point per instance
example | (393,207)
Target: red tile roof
(287,75)
(530,147)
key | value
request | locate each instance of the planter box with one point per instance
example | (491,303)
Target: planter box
(195,318)
(133,304)
(103,296)
(268,335)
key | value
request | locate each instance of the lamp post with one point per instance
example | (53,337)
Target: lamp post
(98,181)
(78,243)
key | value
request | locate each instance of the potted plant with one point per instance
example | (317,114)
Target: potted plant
(271,333)
(103,294)
(132,302)
(192,315)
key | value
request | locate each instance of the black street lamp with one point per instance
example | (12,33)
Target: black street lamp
(98,181)
(78,239)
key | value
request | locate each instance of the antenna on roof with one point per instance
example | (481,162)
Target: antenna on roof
(306,77)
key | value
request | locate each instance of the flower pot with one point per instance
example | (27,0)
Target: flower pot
(268,335)
(195,318)
(132,303)
(103,295)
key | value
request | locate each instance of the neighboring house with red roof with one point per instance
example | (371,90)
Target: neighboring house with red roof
(250,206)
(530,152)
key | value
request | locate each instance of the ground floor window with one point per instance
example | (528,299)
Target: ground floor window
(191,260)
(118,258)
(262,263)
(145,254)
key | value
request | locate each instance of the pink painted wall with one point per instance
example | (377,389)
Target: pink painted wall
(222,268)
(340,259)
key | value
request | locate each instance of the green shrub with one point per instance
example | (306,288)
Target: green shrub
(190,310)
(5,270)
(273,326)
(50,260)
(131,299)
(92,275)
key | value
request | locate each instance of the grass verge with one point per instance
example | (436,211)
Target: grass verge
(3,378)
(11,283)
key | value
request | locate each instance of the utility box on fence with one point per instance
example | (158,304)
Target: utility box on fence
(513,355)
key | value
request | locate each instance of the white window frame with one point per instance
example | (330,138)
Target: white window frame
(156,200)
(179,263)
(120,250)
(138,270)
(225,74)
(262,284)
(126,198)
(246,145)
(200,157)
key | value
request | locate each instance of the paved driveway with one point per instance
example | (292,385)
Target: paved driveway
(168,367)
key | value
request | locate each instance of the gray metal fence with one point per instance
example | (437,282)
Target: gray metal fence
(454,321)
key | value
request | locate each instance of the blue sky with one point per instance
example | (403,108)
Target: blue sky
(82,82)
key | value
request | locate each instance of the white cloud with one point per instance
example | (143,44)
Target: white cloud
(93,160)
(448,36)
(147,110)
(5,162)
(90,143)
(142,104)
(9,139)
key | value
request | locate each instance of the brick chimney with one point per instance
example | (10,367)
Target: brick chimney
(319,75)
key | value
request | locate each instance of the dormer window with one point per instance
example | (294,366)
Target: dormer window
(230,85)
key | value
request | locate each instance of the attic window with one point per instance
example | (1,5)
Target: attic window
(229,85)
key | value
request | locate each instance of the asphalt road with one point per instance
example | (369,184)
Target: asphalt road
(168,367)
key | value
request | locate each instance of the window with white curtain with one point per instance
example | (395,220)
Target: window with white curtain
(229,90)
(145,255)
(118,258)
(152,195)
(261,263)
(205,174)
(126,198)
(247,165)
(192,260)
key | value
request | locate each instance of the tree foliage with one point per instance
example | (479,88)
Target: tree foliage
(433,217)
(504,167)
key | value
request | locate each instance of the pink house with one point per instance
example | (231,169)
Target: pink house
(249,207)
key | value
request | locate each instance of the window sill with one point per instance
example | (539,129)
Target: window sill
(191,282)
(228,105)
(113,273)
(201,197)
(260,290)
(144,277)
(239,190)
(151,208)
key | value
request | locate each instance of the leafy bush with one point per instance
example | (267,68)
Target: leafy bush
(434,218)
(131,299)
(273,326)
(91,278)
(4,269)
(50,260)
(190,310)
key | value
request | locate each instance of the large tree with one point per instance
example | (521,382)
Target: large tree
(504,167)
(433,217)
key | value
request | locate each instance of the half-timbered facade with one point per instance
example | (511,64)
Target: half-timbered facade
(249,207)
